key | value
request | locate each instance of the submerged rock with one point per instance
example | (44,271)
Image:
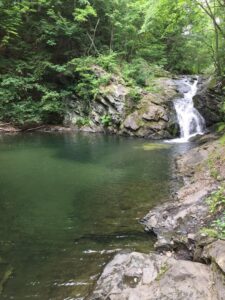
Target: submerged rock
(153,277)
(154,146)
(5,273)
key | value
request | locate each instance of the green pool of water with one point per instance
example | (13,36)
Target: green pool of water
(68,203)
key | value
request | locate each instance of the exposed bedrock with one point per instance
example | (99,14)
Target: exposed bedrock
(152,116)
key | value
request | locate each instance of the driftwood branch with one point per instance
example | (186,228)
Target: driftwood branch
(34,128)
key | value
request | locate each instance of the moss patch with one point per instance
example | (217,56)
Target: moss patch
(162,271)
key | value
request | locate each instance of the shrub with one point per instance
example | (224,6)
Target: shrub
(219,226)
(216,200)
(83,121)
(106,120)
(135,94)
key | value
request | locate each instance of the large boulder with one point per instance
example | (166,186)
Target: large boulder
(137,276)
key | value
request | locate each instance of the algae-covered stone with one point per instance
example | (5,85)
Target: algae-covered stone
(155,146)
(5,273)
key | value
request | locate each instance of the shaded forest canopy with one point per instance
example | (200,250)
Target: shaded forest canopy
(47,48)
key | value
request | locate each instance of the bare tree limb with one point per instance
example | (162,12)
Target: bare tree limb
(92,39)
(210,13)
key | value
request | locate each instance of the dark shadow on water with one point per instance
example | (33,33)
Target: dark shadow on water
(110,238)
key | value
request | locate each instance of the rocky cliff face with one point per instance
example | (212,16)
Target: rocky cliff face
(114,111)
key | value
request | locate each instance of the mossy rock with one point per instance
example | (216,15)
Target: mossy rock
(212,83)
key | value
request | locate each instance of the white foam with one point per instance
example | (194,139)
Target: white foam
(190,121)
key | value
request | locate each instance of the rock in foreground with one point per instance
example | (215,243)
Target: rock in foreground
(152,277)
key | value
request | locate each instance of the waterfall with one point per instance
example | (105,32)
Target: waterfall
(190,121)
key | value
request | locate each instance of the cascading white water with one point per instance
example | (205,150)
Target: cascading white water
(190,121)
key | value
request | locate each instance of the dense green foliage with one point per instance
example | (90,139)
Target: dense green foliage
(48,48)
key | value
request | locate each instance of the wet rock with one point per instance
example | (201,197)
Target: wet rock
(154,277)
(182,88)
(208,101)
